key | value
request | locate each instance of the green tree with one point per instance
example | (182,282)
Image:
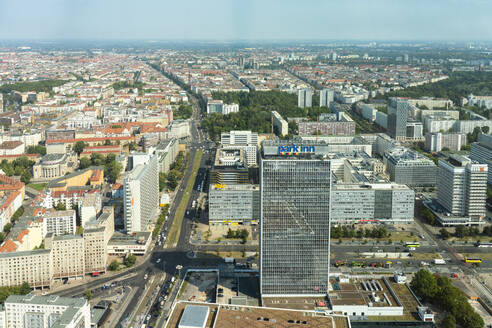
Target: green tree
(130,260)
(460,231)
(114,265)
(24,288)
(88,294)
(444,233)
(107,142)
(449,321)
(79,147)
(84,163)
(424,285)
(60,207)
(26,176)
(2,237)
(7,227)
(162,181)
(36,150)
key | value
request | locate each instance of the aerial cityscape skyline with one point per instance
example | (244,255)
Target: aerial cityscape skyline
(441,20)
(255,164)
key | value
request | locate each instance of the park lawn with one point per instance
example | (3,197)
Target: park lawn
(174,232)
(37,186)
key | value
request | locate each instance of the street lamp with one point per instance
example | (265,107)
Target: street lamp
(179,267)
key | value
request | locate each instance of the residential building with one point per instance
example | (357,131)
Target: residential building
(34,267)
(31,311)
(372,202)
(435,142)
(60,222)
(90,207)
(167,150)
(234,203)
(12,148)
(179,129)
(327,128)
(141,196)
(462,186)
(295,221)
(67,254)
(408,167)
(481,152)
(326,97)
(304,98)
(280,126)
(97,234)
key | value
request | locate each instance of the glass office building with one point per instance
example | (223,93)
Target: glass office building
(295,225)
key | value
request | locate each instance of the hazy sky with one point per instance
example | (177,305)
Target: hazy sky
(247,19)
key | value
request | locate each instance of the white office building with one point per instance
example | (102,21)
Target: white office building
(239,138)
(462,186)
(141,196)
(481,152)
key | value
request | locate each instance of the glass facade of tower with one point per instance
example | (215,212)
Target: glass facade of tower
(295,224)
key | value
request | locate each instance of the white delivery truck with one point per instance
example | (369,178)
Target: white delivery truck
(439,261)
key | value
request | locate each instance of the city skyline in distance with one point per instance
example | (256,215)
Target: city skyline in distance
(441,20)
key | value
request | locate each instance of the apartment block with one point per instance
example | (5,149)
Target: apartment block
(60,222)
(326,97)
(280,126)
(304,98)
(33,267)
(435,142)
(31,311)
(67,254)
(141,196)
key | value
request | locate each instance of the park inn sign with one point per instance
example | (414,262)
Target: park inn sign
(295,150)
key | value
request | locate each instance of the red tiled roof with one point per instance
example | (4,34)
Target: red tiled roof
(92,139)
(8,246)
(10,144)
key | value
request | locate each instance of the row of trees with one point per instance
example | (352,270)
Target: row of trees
(238,234)
(160,220)
(255,109)
(440,292)
(176,173)
(112,167)
(459,84)
(38,86)
(183,112)
(5,292)
(351,232)
(36,150)
(21,166)
(462,231)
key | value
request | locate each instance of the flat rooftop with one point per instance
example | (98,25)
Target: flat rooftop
(362,292)
(227,316)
